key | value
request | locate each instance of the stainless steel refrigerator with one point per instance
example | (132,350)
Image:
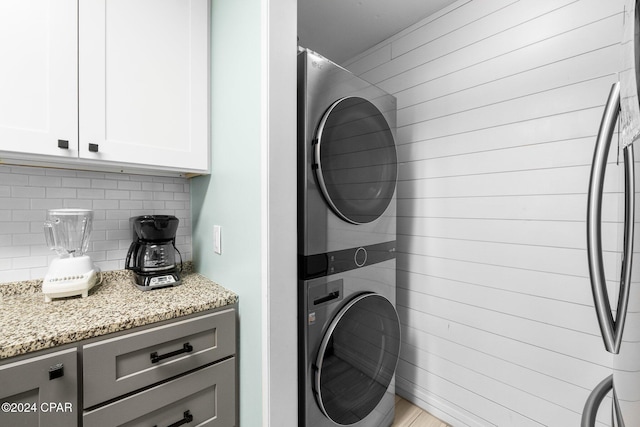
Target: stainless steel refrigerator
(620,328)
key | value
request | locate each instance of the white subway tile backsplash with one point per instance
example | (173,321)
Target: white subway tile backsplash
(27,215)
(27,193)
(141,195)
(104,183)
(28,239)
(44,181)
(116,194)
(162,195)
(77,204)
(152,186)
(14,227)
(55,172)
(153,204)
(11,275)
(13,179)
(10,252)
(118,214)
(106,204)
(105,225)
(174,188)
(10,203)
(61,193)
(29,262)
(165,179)
(106,245)
(174,205)
(131,204)
(90,193)
(117,254)
(44,203)
(98,235)
(5,240)
(76,182)
(129,185)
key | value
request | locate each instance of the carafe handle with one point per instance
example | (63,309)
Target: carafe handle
(133,247)
(173,241)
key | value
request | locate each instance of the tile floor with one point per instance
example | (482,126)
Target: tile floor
(409,415)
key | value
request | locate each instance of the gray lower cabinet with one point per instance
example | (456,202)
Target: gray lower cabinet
(182,372)
(40,391)
(202,398)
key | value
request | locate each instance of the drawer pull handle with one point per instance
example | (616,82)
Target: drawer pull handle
(186,418)
(93,148)
(64,144)
(56,371)
(155,357)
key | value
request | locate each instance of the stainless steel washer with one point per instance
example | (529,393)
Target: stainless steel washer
(352,344)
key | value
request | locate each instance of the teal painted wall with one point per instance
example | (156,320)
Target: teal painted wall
(230,196)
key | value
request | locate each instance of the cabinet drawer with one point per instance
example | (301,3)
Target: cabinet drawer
(124,364)
(207,395)
(44,390)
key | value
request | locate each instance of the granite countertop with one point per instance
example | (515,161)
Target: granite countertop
(27,323)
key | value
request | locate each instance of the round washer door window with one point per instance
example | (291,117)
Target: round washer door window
(356,163)
(357,359)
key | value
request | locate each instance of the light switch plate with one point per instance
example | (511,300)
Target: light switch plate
(217,240)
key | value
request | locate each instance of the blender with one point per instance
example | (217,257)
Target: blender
(67,233)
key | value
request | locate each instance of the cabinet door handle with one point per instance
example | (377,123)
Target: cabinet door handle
(93,148)
(186,418)
(62,143)
(186,348)
(56,371)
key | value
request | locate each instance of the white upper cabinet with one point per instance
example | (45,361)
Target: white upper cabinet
(144,81)
(38,77)
(125,82)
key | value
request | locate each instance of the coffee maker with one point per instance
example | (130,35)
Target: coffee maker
(151,255)
(67,232)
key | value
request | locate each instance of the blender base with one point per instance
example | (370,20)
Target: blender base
(69,288)
(69,277)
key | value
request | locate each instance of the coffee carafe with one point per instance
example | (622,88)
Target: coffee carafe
(152,254)
(67,232)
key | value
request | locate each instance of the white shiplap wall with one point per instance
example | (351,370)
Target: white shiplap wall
(27,192)
(499,103)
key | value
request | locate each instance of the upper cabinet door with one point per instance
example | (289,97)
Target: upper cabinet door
(144,82)
(38,77)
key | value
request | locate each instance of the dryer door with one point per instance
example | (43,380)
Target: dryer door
(357,359)
(355,160)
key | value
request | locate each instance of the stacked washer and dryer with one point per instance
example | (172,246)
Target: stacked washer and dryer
(349,332)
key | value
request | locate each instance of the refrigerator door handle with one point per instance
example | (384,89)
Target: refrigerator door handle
(616,413)
(627,254)
(594,400)
(611,330)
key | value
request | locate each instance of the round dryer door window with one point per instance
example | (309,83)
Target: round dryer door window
(357,359)
(356,163)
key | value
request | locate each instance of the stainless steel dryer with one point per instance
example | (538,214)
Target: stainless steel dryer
(349,332)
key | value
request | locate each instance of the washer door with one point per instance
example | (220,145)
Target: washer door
(355,160)
(357,359)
